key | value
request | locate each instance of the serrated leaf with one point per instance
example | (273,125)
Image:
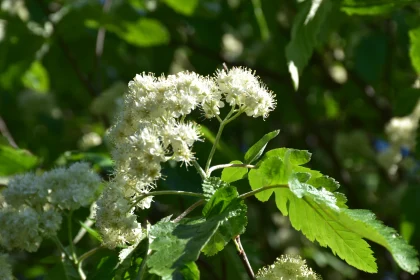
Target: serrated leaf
(326,182)
(177,244)
(13,161)
(255,152)
(308,24)
(415,49)
(371,228)
(369,7)
(315,213)
(275,168)
(232,213)
(322,215)
(185,7)
(210,185)
(232,174)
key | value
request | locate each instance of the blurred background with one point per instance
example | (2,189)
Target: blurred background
(65,64)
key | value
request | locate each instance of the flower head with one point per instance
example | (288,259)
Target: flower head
(287,267)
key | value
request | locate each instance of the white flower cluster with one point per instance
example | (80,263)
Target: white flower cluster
(287,267)
(152,129)
(402,133)
(31,204)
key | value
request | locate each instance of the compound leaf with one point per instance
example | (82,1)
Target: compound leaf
(257,149)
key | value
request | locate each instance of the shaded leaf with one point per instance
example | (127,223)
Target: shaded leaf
(210,185)
(232,213)
(308,25)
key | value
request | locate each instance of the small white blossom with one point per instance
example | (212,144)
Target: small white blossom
(242,88)
(402,131)
(287,267)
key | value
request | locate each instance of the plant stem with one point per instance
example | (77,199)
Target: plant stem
(189,210)
(199,169)
(89,253)
(69,257)
(244,258)
(251,193)
(216,141)
(142,268)
(70,236)
(227,165)
(156,193)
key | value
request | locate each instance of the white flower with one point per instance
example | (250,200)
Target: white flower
(287,267)
(402,131)
(243,89)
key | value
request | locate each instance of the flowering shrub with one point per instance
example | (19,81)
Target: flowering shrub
(153,128)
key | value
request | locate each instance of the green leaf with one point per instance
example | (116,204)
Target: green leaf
(144,32)
(370,228)
(36,78)
(309,23)
(275,168)
(232,213)
(13,161)
(415,48)
(92,232)
(326,182)
(315,213)
(186,7)
(322,215)
(188,272)
(232,174)
(210,185)
(373,7)
(177,244)
(255,152)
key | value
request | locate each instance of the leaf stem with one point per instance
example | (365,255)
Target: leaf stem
(199,169)
(89,253)
(243,256)
(227,120)
(227,165)
(251,193)
(189,210)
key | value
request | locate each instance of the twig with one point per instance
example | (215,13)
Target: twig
(244,258)
(5,132)
(189,210)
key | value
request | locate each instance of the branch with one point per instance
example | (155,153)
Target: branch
(244,258)
(189,210)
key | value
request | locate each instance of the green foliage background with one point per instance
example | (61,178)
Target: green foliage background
(356,68)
